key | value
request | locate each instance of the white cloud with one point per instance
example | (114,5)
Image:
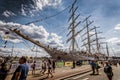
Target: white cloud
(35,32)
(54,2)
(22,52)
(55,40)
(91,32)
(117,53)
(42,3)
(39,5)
(113,40)
(113,45)
(117,27)
(8,13)
(12,36)
(15,40)
(23,10)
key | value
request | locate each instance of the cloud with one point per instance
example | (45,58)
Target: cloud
(55,40)
(35,32)
(107,26)
(42,3)
(91,32)
(25,7)
(113,45)
(38,33)
(15,40)
(117,53)
(12,36)
(23,10)
(117,27)
(8,13)
(38,5)
(21,51)
(114,41)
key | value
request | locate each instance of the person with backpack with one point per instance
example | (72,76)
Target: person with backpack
(108,71)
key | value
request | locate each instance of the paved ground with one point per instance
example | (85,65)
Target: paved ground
(102,76)
(60,72)
(67,71)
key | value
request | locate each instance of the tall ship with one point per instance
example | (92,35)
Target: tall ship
(91,42)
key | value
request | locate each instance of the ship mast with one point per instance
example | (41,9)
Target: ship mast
(97,39)
(88,23)
(73,25)
(98,44)
(89,41)
(107,49)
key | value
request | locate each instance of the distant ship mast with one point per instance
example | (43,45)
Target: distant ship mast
(88,35)
(88,42)
(107,49)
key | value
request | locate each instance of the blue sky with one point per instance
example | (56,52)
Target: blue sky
(105,13)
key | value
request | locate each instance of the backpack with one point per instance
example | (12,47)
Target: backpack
(107,69)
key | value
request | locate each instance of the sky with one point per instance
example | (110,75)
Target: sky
(51,27)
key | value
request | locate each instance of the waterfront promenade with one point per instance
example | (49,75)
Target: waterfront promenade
(59,73)
(74,74)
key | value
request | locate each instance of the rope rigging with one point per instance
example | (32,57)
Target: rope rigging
(48,17)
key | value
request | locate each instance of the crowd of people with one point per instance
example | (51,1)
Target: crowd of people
(48,65)
(21,72)
(95,67)
(48,68)
(107,67)
(3,68)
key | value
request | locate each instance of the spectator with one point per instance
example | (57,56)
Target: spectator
(97,67)
(102,63)
(49,65)
(33,66)
(53,66)
(108,71)
(22,70)
(74,64)
(3,70)
(44,67)
(92,63)
(119,63)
